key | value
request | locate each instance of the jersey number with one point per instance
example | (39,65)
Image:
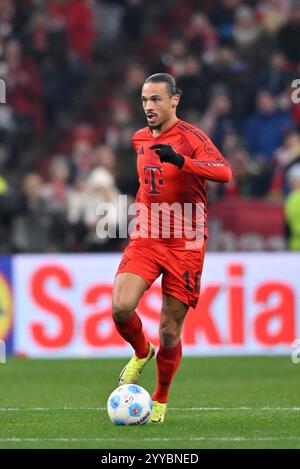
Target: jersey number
(186,276)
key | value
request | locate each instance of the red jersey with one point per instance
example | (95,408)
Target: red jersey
(164,183)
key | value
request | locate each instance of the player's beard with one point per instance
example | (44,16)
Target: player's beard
(155,127)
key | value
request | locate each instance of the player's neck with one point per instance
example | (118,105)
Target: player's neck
(165,126)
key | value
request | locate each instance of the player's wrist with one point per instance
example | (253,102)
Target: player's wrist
(180,161)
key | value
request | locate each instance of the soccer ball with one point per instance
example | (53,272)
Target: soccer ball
(129,404)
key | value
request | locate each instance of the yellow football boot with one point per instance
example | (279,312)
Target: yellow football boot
(158,412)
(132,371)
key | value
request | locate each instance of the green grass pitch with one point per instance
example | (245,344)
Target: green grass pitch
(215,402)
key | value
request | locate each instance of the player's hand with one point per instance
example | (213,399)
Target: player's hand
(168,155)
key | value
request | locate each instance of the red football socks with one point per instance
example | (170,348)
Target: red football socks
(167,362)
(132,331)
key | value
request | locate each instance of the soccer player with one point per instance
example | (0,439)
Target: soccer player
(174,159)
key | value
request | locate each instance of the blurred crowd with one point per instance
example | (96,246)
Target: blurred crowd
(73,71)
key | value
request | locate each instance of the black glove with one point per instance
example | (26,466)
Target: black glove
(168,155)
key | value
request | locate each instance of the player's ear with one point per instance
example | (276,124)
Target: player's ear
(175,100)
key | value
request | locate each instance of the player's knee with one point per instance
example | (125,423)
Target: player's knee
(169,335)
(122,308)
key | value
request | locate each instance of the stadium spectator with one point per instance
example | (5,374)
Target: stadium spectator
(105,157)
(265,128)
(133,19)
(101,189)
(251,40)
(7,13)
(285,157)
(200,35)
(35,227)
(173,57)
(195,83)
(218,120)
(80,29)
(276,75)
(223,17)
(24,89)
(246,174)
(273,14)
(289,35)
(77,198)
(56,191)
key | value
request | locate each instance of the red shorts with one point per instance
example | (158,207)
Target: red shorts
(181,268)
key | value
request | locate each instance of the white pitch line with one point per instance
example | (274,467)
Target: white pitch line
(187,409)
(296,409)
(47,409)
(197,438)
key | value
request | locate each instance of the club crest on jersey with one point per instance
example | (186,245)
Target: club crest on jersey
(210,149)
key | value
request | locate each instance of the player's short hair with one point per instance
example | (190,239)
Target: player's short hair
(165,78)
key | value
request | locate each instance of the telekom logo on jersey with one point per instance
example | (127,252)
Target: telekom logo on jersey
(119,218)
(150,172)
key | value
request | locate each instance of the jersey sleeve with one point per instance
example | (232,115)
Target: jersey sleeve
(138,195)
(133,141)
(207,162)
